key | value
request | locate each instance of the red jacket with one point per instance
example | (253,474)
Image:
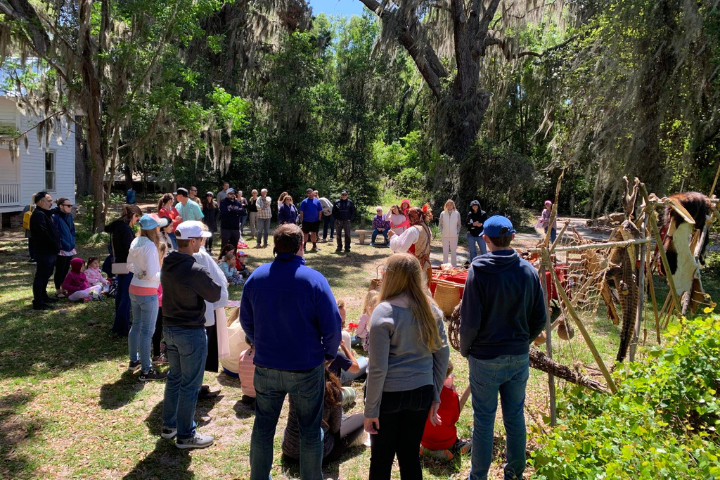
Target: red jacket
(173,215)
(443,436)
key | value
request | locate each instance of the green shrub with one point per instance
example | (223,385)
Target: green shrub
(661,424)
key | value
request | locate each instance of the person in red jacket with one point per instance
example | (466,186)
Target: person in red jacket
(440,441)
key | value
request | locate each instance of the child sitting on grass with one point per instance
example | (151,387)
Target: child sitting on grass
(76,286)
(228,268)
(372,298)
(242,269)
(440,441)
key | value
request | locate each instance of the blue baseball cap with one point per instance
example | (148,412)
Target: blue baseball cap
(149,222)
(498,226)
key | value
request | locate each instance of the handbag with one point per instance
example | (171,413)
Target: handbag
(118,268)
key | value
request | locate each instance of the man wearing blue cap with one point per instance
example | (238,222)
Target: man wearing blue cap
(502,312)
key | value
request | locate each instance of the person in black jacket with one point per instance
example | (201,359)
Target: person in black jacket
(121,236)
(186,286)
(231,211)
(343,212)
(475,219)
(47,245)
(212,213)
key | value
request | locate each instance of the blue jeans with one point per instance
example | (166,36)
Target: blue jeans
(186,350)
(122,305)
(508,375)
(346,376)
(473,243)
(144,312)
(307,390)
(263,228)
(553,235)
(375,234)
(243,219)
(328,224)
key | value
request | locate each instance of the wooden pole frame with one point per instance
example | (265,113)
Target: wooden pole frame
(596,246)
(548,345)
(578,322)
(663,257)
(641,292)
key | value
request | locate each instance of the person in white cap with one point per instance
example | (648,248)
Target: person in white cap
(187,285)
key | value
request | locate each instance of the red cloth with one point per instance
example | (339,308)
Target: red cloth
(443,436)
(75,280)
(459,278)
(172,214)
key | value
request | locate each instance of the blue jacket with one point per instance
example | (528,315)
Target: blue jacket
(287,214)
(66,228)
(289,313)
(503,308)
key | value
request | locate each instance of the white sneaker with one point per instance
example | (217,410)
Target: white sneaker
(198,441)
(168,432)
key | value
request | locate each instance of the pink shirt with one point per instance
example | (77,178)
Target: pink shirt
(246,372)
(94,276)
(362,328)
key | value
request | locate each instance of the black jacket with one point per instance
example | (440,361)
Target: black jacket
(251,207)
(44,232)
(121,236)
(479,216)
(343,210)
(211,217)
(230,214)
(186,285)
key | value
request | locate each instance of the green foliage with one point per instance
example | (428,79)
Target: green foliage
(661,424)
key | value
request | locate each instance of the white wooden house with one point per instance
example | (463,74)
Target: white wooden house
(50,168)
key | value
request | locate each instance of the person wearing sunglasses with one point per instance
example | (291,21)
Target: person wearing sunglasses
(63,219)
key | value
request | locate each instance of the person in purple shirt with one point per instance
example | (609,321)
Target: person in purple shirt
(380,225)
(310,211)
(289,313)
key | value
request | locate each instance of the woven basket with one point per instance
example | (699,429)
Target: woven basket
(447,296)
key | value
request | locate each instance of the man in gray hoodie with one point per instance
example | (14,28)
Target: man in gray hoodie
(186,286)
(502,311)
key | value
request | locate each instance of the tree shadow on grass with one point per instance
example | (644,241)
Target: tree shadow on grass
(123,391)
(166,461)
(15,429)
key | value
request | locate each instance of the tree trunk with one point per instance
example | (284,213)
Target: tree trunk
(83,167)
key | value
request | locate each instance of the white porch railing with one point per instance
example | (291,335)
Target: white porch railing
(9,194)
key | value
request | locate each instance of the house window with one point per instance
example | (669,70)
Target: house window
(50,171)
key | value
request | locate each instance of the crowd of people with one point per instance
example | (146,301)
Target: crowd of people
(167,281)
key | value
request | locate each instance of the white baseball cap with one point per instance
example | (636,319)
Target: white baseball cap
(191,229)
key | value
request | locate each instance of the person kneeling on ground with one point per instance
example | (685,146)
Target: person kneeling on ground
(441,441)
(339,433)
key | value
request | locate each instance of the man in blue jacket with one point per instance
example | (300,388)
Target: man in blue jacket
(289,313)
(502,311)
(231,211)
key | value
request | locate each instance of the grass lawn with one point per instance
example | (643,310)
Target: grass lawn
(70,409)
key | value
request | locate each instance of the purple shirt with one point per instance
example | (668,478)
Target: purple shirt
(380,222)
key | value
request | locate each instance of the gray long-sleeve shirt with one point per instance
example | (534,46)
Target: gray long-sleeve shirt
(398,359)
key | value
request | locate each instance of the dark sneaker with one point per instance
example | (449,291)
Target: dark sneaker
(338,250)
(42,307)
(134,365)
(151,375)
(51,300)
(168,432)
(198,441)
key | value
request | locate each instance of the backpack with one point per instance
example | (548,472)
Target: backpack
(26,217)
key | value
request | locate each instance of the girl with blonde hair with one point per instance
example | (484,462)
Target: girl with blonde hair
(408,361)
(450,224)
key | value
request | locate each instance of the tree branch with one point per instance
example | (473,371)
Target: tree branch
(425,58)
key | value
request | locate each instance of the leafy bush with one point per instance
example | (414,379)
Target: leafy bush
(661,424)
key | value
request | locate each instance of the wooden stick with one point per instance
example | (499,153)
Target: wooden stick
(590,246)
(654,301)
(548,340)
(712,190)
(464,398)
(557,239)
(581,327)
(663,256)
(641,286)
